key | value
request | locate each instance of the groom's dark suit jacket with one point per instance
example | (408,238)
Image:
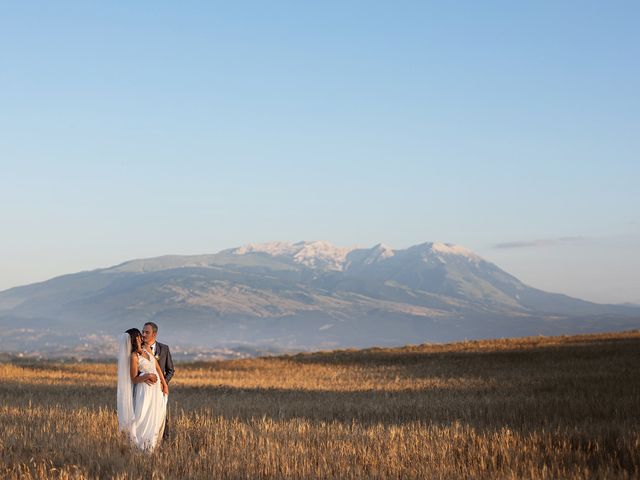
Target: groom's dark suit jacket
(164,359)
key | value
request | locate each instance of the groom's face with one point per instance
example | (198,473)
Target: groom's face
(147,335)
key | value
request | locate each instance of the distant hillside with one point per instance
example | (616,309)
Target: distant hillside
(306,295)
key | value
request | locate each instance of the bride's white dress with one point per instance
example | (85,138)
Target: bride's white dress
(141,410)
(149,407)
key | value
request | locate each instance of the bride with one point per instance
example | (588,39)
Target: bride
(141,410)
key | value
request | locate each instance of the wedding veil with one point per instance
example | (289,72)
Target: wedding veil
(125,386)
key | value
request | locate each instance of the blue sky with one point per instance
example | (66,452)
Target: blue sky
(135,129)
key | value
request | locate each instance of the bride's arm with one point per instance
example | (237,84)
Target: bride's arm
(133,364)
(163,382)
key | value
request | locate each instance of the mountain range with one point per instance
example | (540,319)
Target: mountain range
(284,296)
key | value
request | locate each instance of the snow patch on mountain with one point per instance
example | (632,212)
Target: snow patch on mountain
(378,253)
(277,249)
(315,254)
(322,254)
(451,249)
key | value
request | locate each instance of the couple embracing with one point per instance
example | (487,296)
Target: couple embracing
(145,368)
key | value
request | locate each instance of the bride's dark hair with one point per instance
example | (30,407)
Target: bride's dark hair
(133,333)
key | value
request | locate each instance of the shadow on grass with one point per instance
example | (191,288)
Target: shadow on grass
(480,407)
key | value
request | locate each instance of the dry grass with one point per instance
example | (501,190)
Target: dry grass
(565,407)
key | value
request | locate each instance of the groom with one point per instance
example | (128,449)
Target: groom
(162,353)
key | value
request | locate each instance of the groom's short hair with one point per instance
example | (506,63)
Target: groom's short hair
(154,327)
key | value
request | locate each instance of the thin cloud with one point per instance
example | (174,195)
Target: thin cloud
(545,242)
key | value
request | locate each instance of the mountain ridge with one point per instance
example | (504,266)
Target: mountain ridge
(308,294)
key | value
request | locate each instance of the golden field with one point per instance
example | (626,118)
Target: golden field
(542,407)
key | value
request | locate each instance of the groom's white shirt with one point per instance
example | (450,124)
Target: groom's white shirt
(153,347)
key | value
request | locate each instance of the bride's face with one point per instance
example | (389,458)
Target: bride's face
(139,342)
